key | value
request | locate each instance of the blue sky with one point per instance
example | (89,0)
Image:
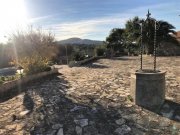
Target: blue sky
(93,19)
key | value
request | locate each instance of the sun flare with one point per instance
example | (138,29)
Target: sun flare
(12,15)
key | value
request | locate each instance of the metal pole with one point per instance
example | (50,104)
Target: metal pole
(141,46)
(155,46)
(66,55)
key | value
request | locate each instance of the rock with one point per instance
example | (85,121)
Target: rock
(77,108)
(81,122)
(53,132)
(94,110)
(24,113)
(2,131)
(57,126)
(78,130)
(90,130)
(124,129)
(10,127)
(137,131)
(41,117)
(120,121)
(80,116)
(19,127)
(177,117)
(60,132)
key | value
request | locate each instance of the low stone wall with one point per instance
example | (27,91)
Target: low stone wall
(6,87)
(79,63)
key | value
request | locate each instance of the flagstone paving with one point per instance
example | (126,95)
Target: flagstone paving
(92,100)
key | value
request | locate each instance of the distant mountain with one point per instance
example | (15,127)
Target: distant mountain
(79,41)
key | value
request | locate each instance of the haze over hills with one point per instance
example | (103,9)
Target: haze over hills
(79,41)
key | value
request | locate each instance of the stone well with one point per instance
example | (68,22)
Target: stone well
(148,88)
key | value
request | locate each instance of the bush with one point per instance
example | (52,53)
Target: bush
(4,79)
(34,64)
(78,56)
(73,63)
(100,51)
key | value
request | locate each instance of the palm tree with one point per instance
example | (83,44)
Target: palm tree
(164,31)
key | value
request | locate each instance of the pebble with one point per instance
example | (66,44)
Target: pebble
(81,122)
(120,121)
(60,132)
(78,130)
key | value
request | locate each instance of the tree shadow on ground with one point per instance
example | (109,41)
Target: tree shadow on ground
(124,58)
(28,102)
(94,65)
(60,111)
(170,110)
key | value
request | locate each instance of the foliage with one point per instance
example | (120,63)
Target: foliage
(133,32)
(34,64)
(78,56)
(73,63)
(115,39)
(100,50)
(33,49)
(130,37)
(4,79)
(5,55)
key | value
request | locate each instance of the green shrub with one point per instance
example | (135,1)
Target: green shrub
(100,51)
(78,56)
(73,64)
(4,79)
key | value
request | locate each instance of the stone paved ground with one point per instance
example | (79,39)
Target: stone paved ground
(91,100)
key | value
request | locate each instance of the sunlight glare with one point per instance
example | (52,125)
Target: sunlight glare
(12,15)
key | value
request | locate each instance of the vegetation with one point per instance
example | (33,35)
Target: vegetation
(4,79)
(32,50)
(100,50)
(129,38)
(5,56)
(115,40)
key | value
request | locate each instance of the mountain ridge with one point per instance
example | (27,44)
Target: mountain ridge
(76,40)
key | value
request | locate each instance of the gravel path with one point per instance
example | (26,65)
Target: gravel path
(92,100)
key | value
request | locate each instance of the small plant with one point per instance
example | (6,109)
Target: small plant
(129,97)
(1,81)
(4,79)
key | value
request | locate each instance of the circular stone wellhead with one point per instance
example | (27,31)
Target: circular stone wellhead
(148,88)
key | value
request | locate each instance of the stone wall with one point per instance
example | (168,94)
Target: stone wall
(148,89)
(79,63)
(6,87)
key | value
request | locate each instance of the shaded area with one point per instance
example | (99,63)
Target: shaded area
(19,89)
(8,71)
(94,65)
(124,58)
(170,110)
(71,105)
(59,110)
(28,102)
